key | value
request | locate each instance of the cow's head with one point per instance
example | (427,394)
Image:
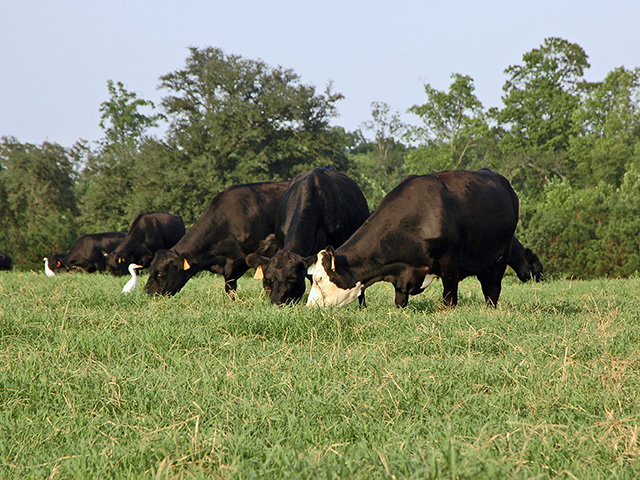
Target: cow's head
(168,273)
(332,281)
(56,261)
(283,275)
(117,264)
(534,265)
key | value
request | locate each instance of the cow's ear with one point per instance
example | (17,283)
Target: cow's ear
(254,260)
(258,262)
(310,264)
(268,247)
(528,254)
(185,264)
(331,255)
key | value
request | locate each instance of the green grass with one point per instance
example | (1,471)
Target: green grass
(97,384)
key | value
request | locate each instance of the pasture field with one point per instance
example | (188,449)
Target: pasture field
(98,384)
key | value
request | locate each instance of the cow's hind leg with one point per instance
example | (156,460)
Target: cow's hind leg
(491,282)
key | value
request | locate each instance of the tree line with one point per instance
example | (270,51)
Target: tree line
(569,147)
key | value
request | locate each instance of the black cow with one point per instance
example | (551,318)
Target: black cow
(233,225)
(450,225)
(320,207)
(148,233)
(87,252)
(524,262)
(5,262)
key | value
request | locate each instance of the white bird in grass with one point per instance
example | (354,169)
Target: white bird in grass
(131,284)
(47,270)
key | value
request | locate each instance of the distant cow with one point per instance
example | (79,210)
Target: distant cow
(148,233)
(87,252)
(524,262)
(320,207)
(233,225)
(5,262)
(449,225)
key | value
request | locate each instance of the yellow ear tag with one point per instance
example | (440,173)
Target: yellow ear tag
(185,265)
(259,273)
(333,263)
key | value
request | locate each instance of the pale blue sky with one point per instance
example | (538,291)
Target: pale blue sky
(56,56)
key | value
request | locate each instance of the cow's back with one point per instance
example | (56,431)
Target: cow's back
(427,214)
(486,209)
(163,231)
(155,231)
(239,217)
(320,207)
(88,251)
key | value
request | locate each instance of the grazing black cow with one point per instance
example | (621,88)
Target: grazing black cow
(87,252)
(524,262)
(450,225)
(148,233)
(233,225)
(320,207)
(5,262)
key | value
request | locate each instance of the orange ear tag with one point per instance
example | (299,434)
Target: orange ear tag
(185,265)
(259,273)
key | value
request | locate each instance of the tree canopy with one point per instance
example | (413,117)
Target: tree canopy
(246,120)
(452,130)
(38,208)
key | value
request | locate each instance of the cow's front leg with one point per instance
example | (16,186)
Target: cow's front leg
(402,298)
(230,287)
(450,279)
(361,300)
(491,294)
(491,282)
(450,292)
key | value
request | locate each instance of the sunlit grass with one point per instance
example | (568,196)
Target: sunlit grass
(98,384)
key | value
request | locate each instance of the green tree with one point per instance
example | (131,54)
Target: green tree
(388,129)
(378,164)
(107,185)
(454,130)
(586,232)
(608,141)
(121,118)
(240,120)
(37,198)
(11,240)
(537,122)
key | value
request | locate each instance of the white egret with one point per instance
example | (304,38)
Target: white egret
(133,281)
(47,270)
